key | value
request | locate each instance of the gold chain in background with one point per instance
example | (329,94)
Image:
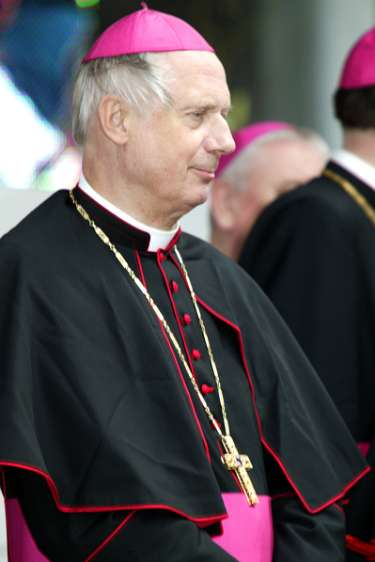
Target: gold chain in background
(353,193)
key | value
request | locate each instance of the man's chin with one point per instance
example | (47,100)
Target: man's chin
(198,194)
(202,194)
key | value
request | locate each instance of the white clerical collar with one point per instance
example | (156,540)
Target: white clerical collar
(159,239)
(355,165)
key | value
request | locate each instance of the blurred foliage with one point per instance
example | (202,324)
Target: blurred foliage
(241,109)
(87,3)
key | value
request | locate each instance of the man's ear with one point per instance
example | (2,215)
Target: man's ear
(223,205)
(113,118)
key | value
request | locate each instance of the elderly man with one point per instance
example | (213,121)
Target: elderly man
(270,158)
(313,252)
(152,401)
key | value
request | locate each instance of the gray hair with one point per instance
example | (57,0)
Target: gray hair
(236,173)
(137,79)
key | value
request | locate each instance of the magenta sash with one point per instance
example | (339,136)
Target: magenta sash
(21,545)
(248,531)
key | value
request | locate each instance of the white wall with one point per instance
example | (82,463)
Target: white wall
(197,222)
(14,205)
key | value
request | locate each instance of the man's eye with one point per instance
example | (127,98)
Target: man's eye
(197,114)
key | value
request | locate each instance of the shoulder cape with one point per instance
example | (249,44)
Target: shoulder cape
(89,404)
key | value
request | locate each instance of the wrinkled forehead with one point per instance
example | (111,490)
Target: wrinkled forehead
(201,61)
(196,74)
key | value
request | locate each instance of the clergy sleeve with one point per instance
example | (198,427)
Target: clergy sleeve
(360,512)
(134,536)
(298,534)
(152,535)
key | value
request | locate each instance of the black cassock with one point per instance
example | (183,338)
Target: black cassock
(313,253)
(102,438)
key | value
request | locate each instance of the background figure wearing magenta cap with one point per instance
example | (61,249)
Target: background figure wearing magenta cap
(313,252)
(153,405)
(270,158)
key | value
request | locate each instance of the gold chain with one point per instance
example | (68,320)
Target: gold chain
(123,262)
(353,193)
(231,458)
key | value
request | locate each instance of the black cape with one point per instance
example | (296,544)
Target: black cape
(313,253)
(360,515)
(92,398)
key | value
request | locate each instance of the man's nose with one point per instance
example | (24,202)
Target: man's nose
(228,144)
(221,140)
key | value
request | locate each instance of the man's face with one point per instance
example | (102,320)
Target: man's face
(172,153)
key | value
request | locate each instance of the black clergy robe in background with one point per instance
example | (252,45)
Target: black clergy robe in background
(102,438)
(361,516)
(313,253)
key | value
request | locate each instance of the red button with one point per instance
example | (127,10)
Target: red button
(162,256)
(174,286)
(206,389)
(186,319)
(196,354)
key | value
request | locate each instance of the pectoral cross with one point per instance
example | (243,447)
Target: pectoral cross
(240,464)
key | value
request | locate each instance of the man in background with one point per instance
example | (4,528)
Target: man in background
(270,159)
(313,253)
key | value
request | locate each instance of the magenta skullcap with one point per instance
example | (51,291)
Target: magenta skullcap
(247,135)
(359,67)
(147,31)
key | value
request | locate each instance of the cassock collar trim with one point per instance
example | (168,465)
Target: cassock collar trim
(154,239)
(119,231)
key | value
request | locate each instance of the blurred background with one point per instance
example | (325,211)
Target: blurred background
(283,59)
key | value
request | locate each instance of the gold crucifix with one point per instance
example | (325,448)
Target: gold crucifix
(240,464)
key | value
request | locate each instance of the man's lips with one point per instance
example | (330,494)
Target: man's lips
(206,173)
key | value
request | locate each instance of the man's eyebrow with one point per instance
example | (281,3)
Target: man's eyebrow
(206,107)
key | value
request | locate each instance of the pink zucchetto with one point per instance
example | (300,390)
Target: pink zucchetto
(359,67)
(247,135)
(147,31)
